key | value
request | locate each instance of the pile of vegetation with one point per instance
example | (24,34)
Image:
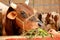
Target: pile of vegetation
(37,32)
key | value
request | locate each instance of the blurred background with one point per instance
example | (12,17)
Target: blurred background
(40,5)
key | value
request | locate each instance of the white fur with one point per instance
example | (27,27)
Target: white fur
(54,13)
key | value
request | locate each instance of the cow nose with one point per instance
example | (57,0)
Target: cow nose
(40,23)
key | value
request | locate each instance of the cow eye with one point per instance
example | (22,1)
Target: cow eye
(24,15)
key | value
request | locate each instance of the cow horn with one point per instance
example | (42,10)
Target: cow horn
(27,2)
(13,5)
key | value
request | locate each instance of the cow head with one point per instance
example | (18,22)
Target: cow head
(20,18)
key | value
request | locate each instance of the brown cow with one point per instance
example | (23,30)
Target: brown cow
(17,20)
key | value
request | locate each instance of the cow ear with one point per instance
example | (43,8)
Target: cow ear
(12,15)
(13,5)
